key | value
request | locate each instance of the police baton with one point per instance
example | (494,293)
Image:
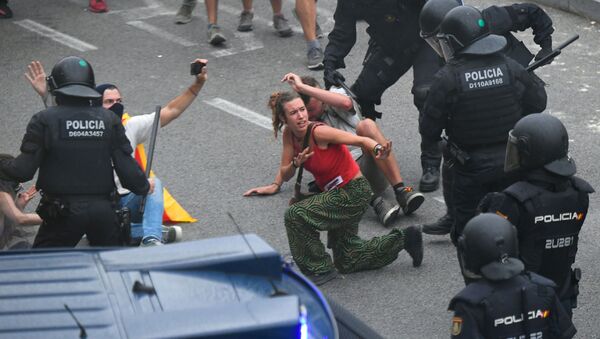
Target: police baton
(348,90)
(151,152)
(548,58)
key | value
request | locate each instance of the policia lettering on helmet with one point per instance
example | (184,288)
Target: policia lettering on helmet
(501,20)
(505,301)
(75,147)
(548,206)
(477,97)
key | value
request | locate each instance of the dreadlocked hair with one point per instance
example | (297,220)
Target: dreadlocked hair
(276,102)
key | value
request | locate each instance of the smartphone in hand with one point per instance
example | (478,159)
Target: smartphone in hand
(196,67)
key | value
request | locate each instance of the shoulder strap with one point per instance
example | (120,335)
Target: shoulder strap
(522,191)
(301,168)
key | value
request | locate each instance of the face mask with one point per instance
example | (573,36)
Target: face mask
(118,109)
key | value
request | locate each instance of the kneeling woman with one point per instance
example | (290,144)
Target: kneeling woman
(345,198)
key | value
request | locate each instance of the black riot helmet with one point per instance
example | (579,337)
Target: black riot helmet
(464,31)
(489,247)
(431,17)
(539,140)
(73,76)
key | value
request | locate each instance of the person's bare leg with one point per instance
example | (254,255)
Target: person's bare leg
(389,167)
(408,199)
(211,11)
(280,23)
(215,37)
(276,5)
(247,5)
(307,14)
(246,17)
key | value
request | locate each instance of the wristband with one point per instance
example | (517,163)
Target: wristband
(194,93)
(276,184)
(377,149)
(294,163)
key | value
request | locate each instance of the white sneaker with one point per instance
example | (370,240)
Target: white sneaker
(151,242)
(171,234)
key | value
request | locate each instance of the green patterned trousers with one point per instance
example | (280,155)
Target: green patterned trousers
(338,212)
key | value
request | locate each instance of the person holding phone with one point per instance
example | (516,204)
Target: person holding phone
(138,129)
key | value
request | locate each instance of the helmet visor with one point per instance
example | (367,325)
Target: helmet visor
(447,49)
(435,44)
(512,161)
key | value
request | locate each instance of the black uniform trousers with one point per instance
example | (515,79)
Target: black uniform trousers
(380,71)
(447,180)
(483,173)
(92,216)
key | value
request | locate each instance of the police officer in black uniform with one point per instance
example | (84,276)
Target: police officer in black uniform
(501,20)
(548,206)
(477,97)
(506,301)
(394,47)
(75,147)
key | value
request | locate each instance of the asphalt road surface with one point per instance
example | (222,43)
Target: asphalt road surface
(223,144)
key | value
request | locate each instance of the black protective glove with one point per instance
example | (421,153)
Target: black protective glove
(332,77)
(546,46)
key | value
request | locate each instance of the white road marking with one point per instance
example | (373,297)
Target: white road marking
(240,112)
(161,33)
(55,35)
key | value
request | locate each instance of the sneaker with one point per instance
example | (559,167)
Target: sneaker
(151,241)
(430,181)
(441,227)
(322,278)
(184,14)
(98,6)
(408,199)
(315,58)
(413,244)
(280,23)
(245,24)
(5,12)
(171,234)
(215,37)
(385,213)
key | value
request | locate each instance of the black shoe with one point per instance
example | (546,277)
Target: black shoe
(322,278)
(441,227)
(408,199)
(413,244)
(430,181)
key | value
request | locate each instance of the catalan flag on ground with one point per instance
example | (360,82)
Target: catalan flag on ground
(174,213)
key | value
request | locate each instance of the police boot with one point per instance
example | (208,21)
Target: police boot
(430,181)
(441,227)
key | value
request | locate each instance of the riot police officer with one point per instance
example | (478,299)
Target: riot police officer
(506,301)
(394,47)
(548,206)
(477,97)
(75,147)
(501,20)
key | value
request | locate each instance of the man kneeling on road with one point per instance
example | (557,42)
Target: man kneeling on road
(138,128)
